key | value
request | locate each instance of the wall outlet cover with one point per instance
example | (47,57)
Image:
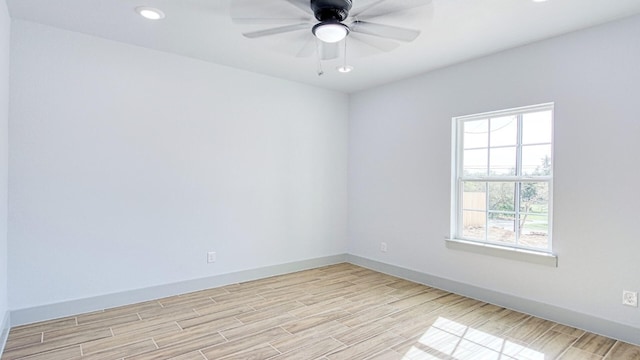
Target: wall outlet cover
(630,298)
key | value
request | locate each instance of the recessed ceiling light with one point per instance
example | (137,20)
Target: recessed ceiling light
(150,13)
(345,69)
(538,1)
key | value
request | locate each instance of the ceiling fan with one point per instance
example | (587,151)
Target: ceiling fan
(324,23)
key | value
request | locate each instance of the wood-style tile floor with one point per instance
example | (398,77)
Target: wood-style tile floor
(330,313)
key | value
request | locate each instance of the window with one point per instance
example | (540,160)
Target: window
(502,177)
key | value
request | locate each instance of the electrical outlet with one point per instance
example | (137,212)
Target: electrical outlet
(383,246)
(630,298)
(211,256)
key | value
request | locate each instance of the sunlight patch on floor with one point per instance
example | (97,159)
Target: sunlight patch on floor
(447,339)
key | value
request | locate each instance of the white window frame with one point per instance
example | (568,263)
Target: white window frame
(456,240)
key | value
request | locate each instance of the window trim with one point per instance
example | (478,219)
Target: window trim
(534,257)
(543,256)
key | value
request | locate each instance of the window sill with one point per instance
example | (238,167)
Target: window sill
(535,257)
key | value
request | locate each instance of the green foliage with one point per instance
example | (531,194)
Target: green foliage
(474,186)
(501,196)
(545,168)
(534,196)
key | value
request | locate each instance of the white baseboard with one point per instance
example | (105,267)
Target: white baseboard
(75,307)
(553,313)
(5,326)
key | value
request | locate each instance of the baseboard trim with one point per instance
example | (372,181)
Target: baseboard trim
(554,313)
(75,307)
(5,326)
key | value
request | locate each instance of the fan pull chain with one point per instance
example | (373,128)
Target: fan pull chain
(345,53)
(345,68)
(319,58)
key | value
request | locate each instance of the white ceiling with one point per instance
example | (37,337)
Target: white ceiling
(451,31)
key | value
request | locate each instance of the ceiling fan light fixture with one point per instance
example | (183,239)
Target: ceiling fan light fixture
(150,13)
(330,32)
(345,69)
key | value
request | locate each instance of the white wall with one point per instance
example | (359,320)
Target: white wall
(5,25)
(399,168)
(128,165)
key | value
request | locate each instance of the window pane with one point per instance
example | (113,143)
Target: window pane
(502,228)
(503,161)
(501,196)
(534,197)
(502,177)
(535,231)
(474,224)
(536,160)
(475,162)
(536,127)
(476,134)
(504,131)
(474,196)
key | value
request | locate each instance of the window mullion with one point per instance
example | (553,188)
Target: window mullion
(518,184)
(486,184)
(460,174)
(519,147)
(486,211)
(488,170)
(460,225)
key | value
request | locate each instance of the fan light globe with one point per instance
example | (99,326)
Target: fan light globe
(330,32)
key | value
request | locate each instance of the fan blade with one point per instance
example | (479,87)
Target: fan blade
(384,31)
(304,5)
(377,43)
(386,7)
(308,48)
(276,30)
(267,21)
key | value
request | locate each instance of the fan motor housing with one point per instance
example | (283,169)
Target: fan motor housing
(331,10)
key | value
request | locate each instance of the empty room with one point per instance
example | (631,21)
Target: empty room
(319,179)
